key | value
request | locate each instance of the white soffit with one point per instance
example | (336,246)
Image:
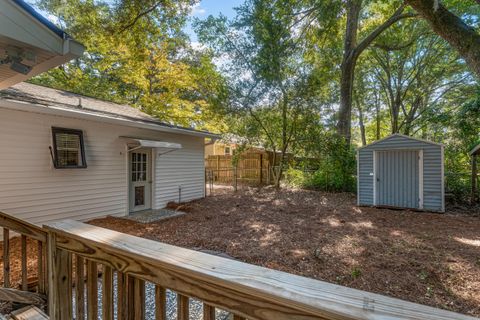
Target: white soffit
(39,44)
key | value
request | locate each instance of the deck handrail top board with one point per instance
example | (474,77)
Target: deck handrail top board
(216,280)
(22,227)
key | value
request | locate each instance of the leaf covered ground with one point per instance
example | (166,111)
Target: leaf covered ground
(428,258)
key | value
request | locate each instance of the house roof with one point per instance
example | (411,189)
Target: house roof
(25,6)
(48,100)
(403,136)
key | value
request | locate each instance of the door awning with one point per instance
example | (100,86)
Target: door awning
(162,146)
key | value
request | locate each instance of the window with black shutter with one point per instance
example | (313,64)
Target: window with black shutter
(68,148)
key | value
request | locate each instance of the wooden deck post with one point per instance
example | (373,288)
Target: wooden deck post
(80,287)
(6,258)
(92,290)
(24,262)
(59,281)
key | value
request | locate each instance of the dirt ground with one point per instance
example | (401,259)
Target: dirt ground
(428,258)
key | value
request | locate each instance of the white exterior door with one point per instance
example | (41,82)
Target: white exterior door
(140,186)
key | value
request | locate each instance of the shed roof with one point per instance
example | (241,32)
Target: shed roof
(475,150)
(403,136)
(47,98)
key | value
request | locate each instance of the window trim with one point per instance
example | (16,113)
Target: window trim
(79,133)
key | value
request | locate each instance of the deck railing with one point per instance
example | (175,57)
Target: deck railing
(247,291)
(29,234)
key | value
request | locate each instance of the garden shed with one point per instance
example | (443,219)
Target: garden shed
(402,172)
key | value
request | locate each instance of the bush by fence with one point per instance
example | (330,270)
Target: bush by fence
(321,179)
(458,186)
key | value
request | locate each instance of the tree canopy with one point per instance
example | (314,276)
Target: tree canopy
(291,76)
(137,53)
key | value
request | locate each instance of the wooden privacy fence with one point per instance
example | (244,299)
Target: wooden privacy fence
(247,291)
(252,168)
(29,234)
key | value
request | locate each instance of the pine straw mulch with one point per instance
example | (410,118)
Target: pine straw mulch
(428,258)
(16,268)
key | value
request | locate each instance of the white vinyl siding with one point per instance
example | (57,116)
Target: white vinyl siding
(32,189)
(182,168)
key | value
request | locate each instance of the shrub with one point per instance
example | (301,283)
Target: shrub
(331,179)
(458,186)
(335,167)
(295,178)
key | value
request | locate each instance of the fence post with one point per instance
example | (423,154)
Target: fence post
(268,172)
(235,179)
(261,169)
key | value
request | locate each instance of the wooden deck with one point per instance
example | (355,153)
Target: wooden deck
(78,253)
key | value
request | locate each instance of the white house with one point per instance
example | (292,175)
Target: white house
(64,155)
(67,156)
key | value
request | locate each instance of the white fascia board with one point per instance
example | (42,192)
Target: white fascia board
(19,25)
(86,115)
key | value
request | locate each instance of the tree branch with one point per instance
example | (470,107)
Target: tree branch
(396,16)
(140,15)
(462,37)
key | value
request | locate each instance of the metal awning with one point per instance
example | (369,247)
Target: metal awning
(162,146)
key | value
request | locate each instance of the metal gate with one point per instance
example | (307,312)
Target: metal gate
(397,175)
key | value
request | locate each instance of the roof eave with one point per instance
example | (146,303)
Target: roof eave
(23,27)
(72,50)
(86,115)
(475,150)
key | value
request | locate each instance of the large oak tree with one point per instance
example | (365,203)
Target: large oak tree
(464,38)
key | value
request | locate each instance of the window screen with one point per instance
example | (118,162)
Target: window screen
(68,148)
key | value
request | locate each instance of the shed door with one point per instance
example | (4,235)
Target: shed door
(397,178)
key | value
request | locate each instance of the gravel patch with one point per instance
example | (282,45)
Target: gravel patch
(150,216)
(196,307)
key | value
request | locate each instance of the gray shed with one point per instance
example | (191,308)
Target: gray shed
(403,172)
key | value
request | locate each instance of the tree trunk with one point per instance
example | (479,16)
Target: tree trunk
(284,139)
(361,123)
(350,55)
(348,70)
(451,28)
(395,115)
(377,116)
